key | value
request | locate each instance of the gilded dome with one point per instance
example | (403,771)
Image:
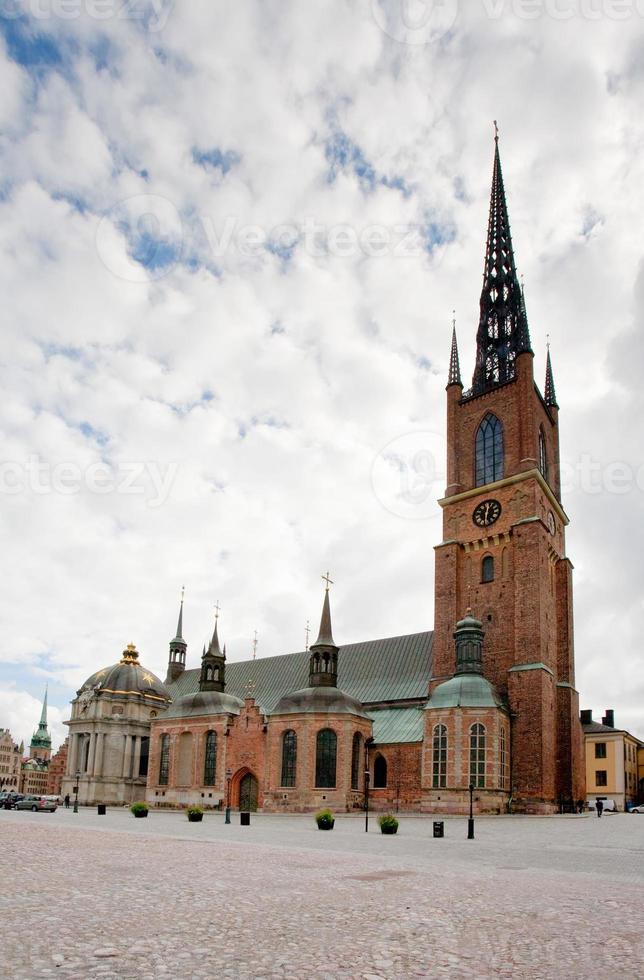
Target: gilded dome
(127,677)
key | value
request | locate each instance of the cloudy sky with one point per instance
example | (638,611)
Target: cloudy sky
(232,237)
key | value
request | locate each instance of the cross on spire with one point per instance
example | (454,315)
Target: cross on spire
(328,581)
(217,608)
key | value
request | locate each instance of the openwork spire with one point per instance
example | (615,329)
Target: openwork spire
(454,364)
(503,331)
(549,393)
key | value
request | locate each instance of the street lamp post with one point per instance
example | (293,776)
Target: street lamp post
(367,777)
(229,774)
(470,822)
(78,776)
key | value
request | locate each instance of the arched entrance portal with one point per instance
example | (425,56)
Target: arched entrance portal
(248,792)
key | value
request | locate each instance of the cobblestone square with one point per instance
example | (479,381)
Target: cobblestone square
(114,897)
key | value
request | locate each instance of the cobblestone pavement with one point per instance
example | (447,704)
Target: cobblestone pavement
(113,897)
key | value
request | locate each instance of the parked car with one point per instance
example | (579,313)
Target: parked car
(10,800)
(638,809)
(36,803)
(609,805)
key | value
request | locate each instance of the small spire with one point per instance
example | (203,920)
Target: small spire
(43,713)
(179,635)
(214,648)
(454,365)
(325,637)
(550,396)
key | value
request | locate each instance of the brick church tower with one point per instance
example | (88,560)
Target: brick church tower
(503,551)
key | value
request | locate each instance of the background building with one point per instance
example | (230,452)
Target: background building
(57,769)
(10,762)
(612,760)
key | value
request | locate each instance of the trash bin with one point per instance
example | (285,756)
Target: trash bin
(244,819)
(102,809)
(439,828)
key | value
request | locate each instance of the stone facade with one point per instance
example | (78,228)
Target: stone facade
(57,769)
(109,732)
(10,762)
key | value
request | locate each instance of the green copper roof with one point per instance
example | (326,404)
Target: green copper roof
(397,725)
(394,669)
(465,691)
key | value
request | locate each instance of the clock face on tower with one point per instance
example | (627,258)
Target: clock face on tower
(486,513)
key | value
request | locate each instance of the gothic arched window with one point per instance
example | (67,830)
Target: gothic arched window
(326,749)
(439,757)
(379,772)
(164,760)
(543,454)
(489,450)
(477,756)
(503,759)
(487,569)
(356,751)
(289,758)
(210,759)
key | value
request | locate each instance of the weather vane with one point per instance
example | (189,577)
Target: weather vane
(217,608)
(255,646)
(328,581)
(307,631)
(496,132)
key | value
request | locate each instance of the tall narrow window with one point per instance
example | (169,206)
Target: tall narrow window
(379,772)
(289,758)
(356,751)
(439,757)
(543,454)
(503,761)
(325,758)
(145,755)
(489,450)
(487,569)
(477,756)
(164,761)
(210,759)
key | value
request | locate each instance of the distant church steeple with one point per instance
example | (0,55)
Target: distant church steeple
(323,662)
(178,649)
(40,745)
(213,662)
(503,331)
(549,395)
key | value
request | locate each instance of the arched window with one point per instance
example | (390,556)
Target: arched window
(439,757)
(379,772)
(326,749)
(502,760)
(489,450)
(289,758)
(356,752)
(487,569)
(210,759)
(543,454)
(164,760)
(477,756)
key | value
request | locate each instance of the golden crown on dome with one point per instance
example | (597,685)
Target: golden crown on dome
(130,655)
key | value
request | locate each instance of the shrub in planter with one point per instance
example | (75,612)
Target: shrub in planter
(139,809)
(324,819)
(195,814)
(388,824)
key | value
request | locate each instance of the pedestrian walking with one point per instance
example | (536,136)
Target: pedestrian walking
(67,801)
(600,808)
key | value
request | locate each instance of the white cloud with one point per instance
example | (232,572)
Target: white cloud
(274,464)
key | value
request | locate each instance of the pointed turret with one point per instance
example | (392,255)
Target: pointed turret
(503,331)
(549,394)
(213,663)
(454,364)
(40,745)
(323,662)
(178,649)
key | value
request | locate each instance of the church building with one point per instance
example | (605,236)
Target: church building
(486,700)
